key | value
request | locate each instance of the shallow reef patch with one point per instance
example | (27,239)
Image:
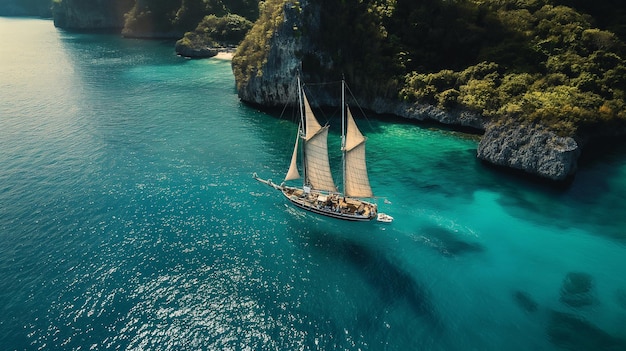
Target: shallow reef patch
(577,289)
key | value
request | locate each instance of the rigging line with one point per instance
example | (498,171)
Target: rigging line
(325,83)
(283,111)
(294,115)
(294,111)
(359,106)
(311,98)
(322,111)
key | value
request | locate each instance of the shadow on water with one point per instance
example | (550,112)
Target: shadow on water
(391,282)
(589,200)
(525,301)
(620,297)
(447,242)
(574,333)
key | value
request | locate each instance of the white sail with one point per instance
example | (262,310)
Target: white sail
(356,182)
(312,126)
(292,173)
(317,166)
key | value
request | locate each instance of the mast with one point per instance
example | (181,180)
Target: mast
(343,133)
(293,173)
(318,175)
(301,131)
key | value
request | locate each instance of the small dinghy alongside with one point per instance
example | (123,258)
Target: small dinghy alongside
(385,218)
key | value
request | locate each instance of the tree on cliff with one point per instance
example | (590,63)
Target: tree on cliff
(544,64)
(212,33)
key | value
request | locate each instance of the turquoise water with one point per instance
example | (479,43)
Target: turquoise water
(129,220)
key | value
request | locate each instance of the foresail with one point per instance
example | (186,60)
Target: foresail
(292,173)
(356,181)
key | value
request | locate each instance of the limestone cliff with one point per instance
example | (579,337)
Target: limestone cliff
(272,83)
(90,14)
(290,49)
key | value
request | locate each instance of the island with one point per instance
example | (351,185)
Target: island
(536,77)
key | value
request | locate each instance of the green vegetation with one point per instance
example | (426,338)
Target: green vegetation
(252,53)
(549,66)
(607,14)
(179,16)
(532,60)
(216,32)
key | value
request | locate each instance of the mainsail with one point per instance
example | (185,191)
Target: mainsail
(356,182)
(317,166)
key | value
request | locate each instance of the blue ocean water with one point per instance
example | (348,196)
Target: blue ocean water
(129,220)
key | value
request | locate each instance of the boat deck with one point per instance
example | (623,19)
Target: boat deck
(332,205)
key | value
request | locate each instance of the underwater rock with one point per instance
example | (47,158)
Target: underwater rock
(447,242)
(574,333)
(525,301)
(576,290)
(620,295)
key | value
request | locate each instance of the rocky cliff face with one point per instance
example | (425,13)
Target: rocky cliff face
(274,85)
(90,14)
(532,149)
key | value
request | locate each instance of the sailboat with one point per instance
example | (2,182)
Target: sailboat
(318,193)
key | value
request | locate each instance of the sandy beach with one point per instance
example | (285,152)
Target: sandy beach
(224,55)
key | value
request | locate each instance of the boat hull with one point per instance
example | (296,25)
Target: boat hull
(303,202)
(330,214)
